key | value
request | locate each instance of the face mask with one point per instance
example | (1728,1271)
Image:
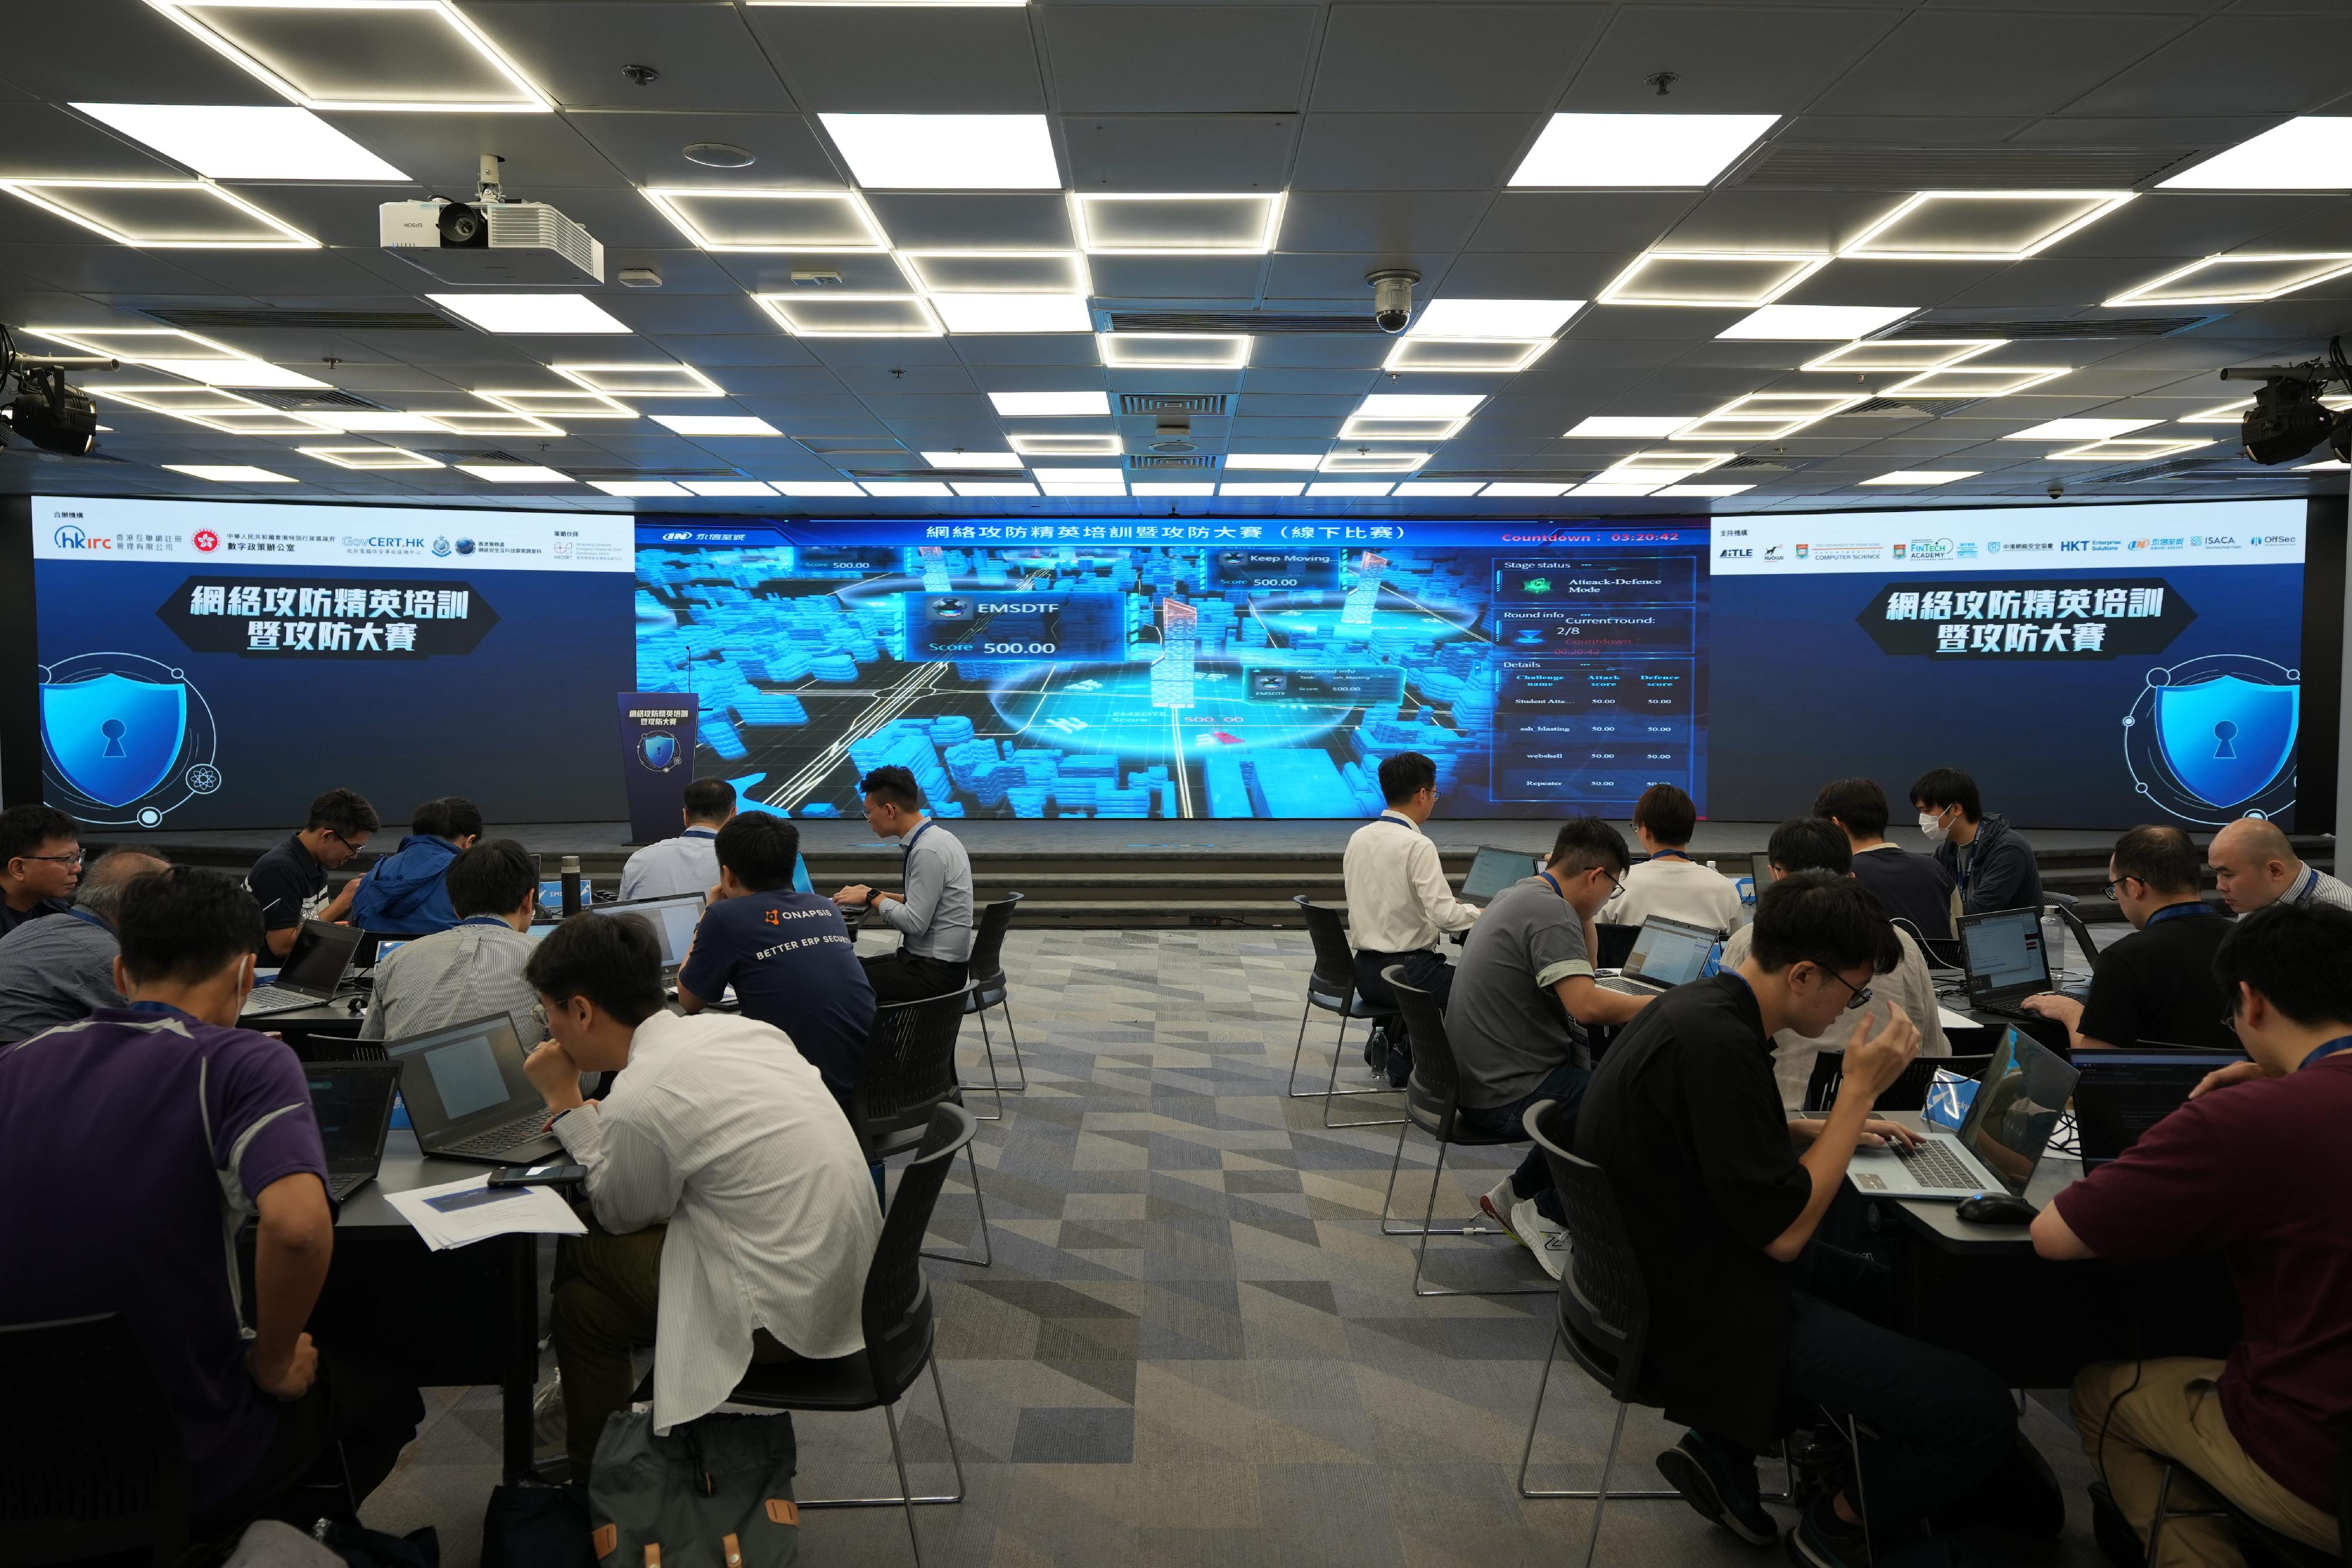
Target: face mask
(1933,826)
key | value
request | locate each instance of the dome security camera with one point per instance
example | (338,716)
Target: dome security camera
(1392,298)
(2057,488)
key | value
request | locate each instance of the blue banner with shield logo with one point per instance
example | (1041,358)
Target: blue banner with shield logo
(657,757)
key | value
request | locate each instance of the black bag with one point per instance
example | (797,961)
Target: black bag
(714,1493)
(361,1547)
(536,1527)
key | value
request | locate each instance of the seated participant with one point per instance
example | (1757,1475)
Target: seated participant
(1670,882)
(289,881)
(1721,1194)
(475,967)
(718,1132)
(1399,902)
(2255,867)
(2249,1166)
(403,894)
(56,972)
(789,956)
(40,863)
(1912,887)
(685,863)
(1815,844)
(1524,984)
(933,915)
(1989,866)
(2155,987)
(152,1132)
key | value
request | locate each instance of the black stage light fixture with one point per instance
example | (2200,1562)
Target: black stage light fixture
(53,414)
(2340,436)
(2287,420)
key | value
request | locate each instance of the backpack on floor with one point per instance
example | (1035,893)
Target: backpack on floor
(714,1493)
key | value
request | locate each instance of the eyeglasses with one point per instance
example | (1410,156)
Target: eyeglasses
(2230,1021)
(2108,889)
(1860,997)
(74,858)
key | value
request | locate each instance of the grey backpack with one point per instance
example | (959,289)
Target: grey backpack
(715,1493)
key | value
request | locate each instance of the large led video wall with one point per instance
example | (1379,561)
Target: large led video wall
(216,664)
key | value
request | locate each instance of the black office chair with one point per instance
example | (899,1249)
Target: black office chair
(2262,1546)
(1432,1103)
(907,1071)
(895,1314)
(1908,1093)
(986,969)
(1615,942)
(92,1463)
(1331,986)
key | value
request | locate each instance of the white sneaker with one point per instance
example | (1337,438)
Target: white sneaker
(1497,1205)
(1548,1242)
(1553,1254)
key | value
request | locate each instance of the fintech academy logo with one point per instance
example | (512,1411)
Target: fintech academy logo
(125,739)
(2214,738)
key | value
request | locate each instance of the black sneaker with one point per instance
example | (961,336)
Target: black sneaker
(1820,1539)
(1720,1487)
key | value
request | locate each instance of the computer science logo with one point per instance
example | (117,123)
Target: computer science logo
(125,739)
(2212,738)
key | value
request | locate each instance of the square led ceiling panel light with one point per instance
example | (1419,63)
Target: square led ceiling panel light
(370,456)
(1982,226)
(1065,445)
(263,421)
(641,380)
(1177,223)
(532,315)
(991,487)
(1763,416)
(1434,488)
(1013,312)
(378,422)
(1815,323)
(1426,405)
(1614,487)
(771,220)
(999,271)
(833,488)
(238,141)
(973,459)
(905,489)
(179,353)
(1671,460)
(1349,488)
(1174,350)
(851,315)
(1072,487)
(1715,280)
(1466,354)
(1493,318)
(1919,479)
(1172,487)
(1266,487)
(1375,427)
(1618,426)
(1051,404)
(726,488)
(1698,492)
(1051,474)
(2080,428)
(1520,487)
(1975,380)
(1293,461)
(185,400)
(419,56)
(480,421)
(645,488)
(514,474)
(2240,278)
(161,215)
(564,404)
(714,425)
(2307,153)
(947,151)
(230,474)
(1660,151)
(1373,462)
(1902,354)
(2127,448)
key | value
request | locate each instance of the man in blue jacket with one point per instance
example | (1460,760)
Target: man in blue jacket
(1987,862)
(403,894)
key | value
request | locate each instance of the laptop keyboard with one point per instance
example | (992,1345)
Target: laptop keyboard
(1630,987)
(275,1000)
(2002,1010)
(521,1130)
(349,1182)
(1934,1165)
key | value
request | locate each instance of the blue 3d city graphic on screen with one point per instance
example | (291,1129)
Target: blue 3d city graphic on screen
(2092,667)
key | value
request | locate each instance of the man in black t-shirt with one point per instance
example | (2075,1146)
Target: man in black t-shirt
(1912,887)
(789,955)
(2155,987)
(289,881)
(1750,1317)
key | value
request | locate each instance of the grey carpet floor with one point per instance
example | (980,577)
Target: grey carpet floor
(1195,1347)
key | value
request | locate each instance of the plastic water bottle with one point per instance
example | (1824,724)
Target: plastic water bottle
(2054,943)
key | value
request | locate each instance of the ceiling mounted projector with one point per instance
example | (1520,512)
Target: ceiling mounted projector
(490,240)
(2287,419)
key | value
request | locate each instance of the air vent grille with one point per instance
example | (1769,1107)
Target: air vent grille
(1777,465)
(2029,330)
(1172,402)
(312,401)
(493,455)
(618,474)
(1141,461)
(1930,408)
(1797,165)
(1259,322)
(2199,470)
(222,320)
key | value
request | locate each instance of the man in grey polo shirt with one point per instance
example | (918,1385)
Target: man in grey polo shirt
(933,915)
(1526,972)
(688,862)
(474,968)
(60,969)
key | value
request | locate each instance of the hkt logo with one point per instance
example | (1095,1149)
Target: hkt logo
(206,541)
(68,537)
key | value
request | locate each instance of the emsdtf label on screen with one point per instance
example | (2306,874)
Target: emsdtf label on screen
(991,624)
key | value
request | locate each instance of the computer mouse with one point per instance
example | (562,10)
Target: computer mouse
(1989,1208)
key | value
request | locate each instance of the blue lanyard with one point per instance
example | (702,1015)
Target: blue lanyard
(164,1007)
(1669,855)
(909,847)
(1555,885)
(484,920)
(699,833)
(2341,1042)
(2304,888)
(1396,822)
(2176,912)
(92,919)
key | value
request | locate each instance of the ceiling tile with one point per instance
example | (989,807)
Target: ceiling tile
(2014,62)
(1338,280)
(542,151)
(974,220)
(706,56)
(650,149)
(1176,152)
(1410,152)
(1580,220)
(1727,59)
(890,59)
(1230,59)
(1378,221)
(2268,62)
(1144,279)
(1460,58)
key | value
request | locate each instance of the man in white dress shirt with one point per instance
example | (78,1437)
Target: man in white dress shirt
(688,862)
(1399,901)
(1670,883)
(734,1216)
(2255,867)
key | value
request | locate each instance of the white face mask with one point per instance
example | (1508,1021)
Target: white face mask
(1932,824)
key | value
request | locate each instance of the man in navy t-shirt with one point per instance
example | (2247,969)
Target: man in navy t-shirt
(130,1143)
(789,955)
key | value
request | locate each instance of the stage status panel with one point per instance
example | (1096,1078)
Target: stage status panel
(1217,669)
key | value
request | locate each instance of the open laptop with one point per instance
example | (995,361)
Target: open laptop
(313,970)
(467,1095)
(2123,1094)
(1759,867)
(2005,960)
(672,919)
(387,946)
(352,1103)
(1493,871)
(1667,954)
(2023,1093)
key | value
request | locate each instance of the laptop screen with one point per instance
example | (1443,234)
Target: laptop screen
(2125,1092)
(465,1071)
(1759,868)
(1494,871)
(2003,953)
(320,953)
(351,1103)
(672,919)
(2018,1103)
(1669,953)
